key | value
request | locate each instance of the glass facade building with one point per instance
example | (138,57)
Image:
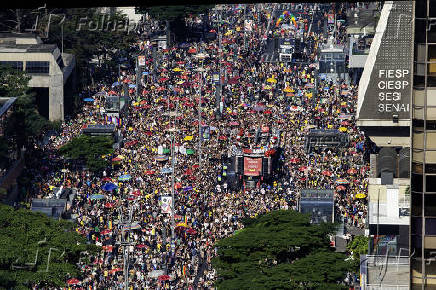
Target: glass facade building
(423,167)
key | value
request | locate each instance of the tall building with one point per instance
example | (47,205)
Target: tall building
(423,181)
(397,108)
(51,71)
(384,114)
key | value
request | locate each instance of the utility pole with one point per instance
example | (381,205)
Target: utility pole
(220,86)
(245,33)
(137,78)
(126,243)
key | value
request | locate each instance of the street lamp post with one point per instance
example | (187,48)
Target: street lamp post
(201,70)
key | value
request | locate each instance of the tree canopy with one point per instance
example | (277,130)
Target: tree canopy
(25,120)
(25,241)
(280,250)
(89,149)
(171,13)
(358,246)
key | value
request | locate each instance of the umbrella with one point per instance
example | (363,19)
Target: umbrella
(108,205)
(302,168)
(352,171)
(188,188)
(272,80)
(88,100)
(326,173)
(97,196)
(177,69)
(267,112)
(100,94)
(192,50)
(149,172)
(189,151)
(115,84)
(340,187)
(191,231)
(105,232)
(132,86)
(106,179)
(178,185)
(342,181)
(183,225)
(184,45)
(155,273)
(115,270)
(140,246)
(161,158)
(73,281)
(287,90)
(124,177)
(267,87)
(109,186)
(259,108)
(163,79)
(343,129)
(136,193)
(166,170)
(360,195)
(295,160)
(108,248)
(222,137)
(163,278)
(234,123)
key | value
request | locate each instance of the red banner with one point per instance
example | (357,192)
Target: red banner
(252,166)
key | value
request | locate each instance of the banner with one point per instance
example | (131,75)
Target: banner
(141,60)
(248,25)
(165,204)
(252,166)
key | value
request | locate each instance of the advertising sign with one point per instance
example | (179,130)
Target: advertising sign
(165,204)
(141,60)
(252,166)
(385,87)
(330,18)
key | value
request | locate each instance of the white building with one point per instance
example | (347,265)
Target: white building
(51,71)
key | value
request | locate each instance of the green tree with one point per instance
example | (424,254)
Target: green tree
(280,250)
(25,121)
(25,240)
(89,34)
(358,246)
(89,149)
(174,16)
(13,83)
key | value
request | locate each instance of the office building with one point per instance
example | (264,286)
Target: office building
(52,72)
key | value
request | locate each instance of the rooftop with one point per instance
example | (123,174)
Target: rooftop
(15,48)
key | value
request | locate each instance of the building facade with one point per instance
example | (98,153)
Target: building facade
(423,181)
(52,73)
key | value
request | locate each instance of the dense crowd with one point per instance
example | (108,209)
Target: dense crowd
(256,94)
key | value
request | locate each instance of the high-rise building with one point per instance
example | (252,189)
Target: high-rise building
(423,178)
(397,109)
(384,114)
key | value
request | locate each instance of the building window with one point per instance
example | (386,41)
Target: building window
(18,65)
(37,67)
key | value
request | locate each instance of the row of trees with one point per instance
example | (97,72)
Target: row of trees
(37,249)
(280,250)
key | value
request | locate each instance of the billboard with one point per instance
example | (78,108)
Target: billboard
(165,204)
(141,60)
(385,86)
(252,166)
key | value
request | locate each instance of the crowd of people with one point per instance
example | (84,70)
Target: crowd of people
(121,209)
